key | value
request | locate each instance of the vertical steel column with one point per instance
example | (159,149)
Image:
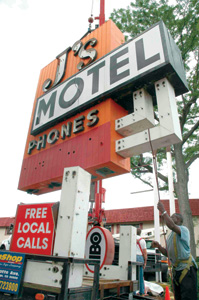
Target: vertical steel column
(156,211)
(98,200)
(170,182)
(65,281)
(102,13)
(156,200)
(95,282)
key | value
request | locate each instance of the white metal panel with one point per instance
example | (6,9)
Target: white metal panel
(71,230)
(166,133)
(128,244)
(162,137)
(134,144)
(140,142)
(167,107)
(73,212)
(76,276)
(43,273)
(50,274)
(114,272)
(142,117)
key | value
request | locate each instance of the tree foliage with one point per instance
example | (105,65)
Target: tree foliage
(182,20)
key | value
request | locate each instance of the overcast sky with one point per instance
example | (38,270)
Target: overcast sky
(33,33)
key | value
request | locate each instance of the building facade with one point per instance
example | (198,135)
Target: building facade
(142,217)
(5,228)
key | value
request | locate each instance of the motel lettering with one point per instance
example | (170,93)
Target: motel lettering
(117,69)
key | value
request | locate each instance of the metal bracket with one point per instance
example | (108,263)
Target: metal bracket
(166,133)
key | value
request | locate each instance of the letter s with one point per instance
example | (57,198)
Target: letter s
(89,53)
(45,243)
(92,118)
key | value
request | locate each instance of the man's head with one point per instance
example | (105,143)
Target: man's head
(139,231)
(177,219)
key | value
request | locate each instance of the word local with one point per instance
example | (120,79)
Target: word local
(66,131)
(33,242)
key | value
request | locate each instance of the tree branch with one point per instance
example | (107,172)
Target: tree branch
(192,159)
(186,110)
(149,169)
(193,118)
(144,181)
(190,132)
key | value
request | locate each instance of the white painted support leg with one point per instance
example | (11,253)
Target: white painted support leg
(156,200)
(71,232)
(72,219)
(170,181)
(156,215)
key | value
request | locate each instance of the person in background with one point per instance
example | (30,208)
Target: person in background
(184,267)
(141,256)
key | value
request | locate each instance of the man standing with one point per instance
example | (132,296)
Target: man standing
(141,256)
(184,267)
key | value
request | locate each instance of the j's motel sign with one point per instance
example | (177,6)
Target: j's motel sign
(147,53)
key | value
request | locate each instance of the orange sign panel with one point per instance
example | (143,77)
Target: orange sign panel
(83,134)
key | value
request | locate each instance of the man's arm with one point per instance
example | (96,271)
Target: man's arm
(169,222)
(145,257)
(160,248)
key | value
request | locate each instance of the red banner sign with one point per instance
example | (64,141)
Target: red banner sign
(34,229)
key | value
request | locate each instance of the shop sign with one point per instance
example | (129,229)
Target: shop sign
(11,267)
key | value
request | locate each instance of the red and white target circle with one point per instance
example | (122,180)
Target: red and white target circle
(99,246)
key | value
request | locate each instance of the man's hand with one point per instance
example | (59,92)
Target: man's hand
(160,207)
(155,244)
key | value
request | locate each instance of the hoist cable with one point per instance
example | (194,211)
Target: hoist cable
(92,7)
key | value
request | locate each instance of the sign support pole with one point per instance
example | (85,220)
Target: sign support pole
(170,182)
(101,17)
(156,211)
(102,14)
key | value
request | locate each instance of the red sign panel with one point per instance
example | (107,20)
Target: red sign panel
(34,229)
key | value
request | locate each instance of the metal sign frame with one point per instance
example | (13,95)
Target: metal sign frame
(130,66)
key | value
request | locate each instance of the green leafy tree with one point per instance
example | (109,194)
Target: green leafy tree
(182,20)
